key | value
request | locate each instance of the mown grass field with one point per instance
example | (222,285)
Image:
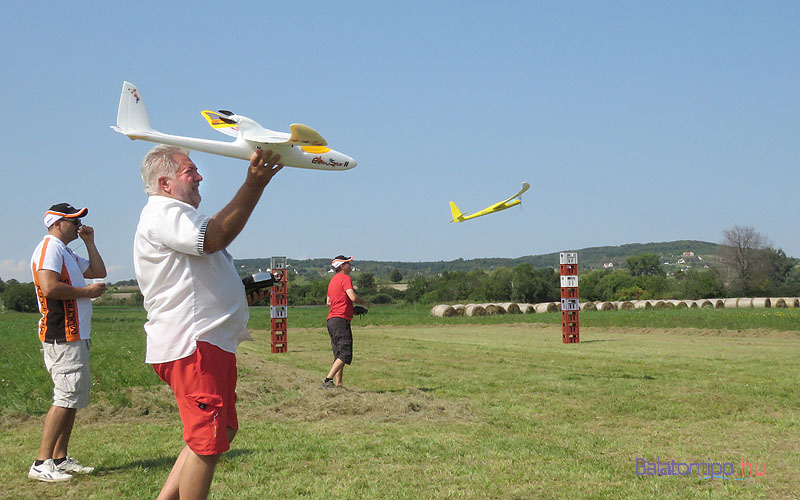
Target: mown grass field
(441,408)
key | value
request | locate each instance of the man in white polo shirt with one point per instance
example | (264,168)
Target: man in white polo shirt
(64,301)
(196,304)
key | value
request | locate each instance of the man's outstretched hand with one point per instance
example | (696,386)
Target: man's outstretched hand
(263,167)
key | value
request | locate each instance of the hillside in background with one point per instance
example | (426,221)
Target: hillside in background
(588,258)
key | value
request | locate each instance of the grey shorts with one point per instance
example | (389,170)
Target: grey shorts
(341,339)
(68,365)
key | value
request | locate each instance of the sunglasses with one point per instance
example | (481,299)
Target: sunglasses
(75,221)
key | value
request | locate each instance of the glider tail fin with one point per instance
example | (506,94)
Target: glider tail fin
(457,215)
(132,114)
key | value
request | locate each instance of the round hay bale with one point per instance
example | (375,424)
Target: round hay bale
(606,306)
(624,305)
(745,302)
(474,310)
(511,307)
(443,311)
(461,309)
(762,302)
(546,307)
(718,303)
(493,309)
(778,302)
(730,303)
(658,304)
(527,308)
(693,304)
(705,304)
(588,306)
(641,304)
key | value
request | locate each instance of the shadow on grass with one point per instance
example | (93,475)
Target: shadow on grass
(165,462)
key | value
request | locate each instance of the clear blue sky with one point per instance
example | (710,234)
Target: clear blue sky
(632,121)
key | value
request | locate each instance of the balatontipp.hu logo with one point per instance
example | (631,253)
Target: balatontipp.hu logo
(706,470)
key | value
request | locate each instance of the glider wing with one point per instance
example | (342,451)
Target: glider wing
(525,187)
(221,123)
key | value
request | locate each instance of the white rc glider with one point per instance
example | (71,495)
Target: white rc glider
(459,217)
(303,148)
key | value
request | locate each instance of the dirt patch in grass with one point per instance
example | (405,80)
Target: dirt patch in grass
(283,393)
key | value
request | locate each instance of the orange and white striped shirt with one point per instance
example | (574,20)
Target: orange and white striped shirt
(62,320)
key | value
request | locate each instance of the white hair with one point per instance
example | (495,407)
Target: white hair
(159,161)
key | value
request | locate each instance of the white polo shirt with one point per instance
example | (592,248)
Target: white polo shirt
(61,320)
(189,295)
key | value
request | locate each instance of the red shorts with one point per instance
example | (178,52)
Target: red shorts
(204,384)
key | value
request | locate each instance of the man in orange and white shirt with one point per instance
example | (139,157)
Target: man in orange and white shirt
(65,303)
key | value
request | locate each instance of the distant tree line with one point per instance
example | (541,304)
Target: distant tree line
(745,264)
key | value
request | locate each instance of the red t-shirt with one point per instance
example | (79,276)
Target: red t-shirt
(341,305)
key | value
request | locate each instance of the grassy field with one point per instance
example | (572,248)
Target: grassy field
(441,408)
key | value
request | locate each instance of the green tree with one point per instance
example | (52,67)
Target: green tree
(612,283)
(365,283)
(644,264)
(416,289)
(705,284)
(497,286)
(20,296)
(395,276)
(655,287)
(588,282)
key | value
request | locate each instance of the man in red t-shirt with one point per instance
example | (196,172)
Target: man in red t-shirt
(340,299)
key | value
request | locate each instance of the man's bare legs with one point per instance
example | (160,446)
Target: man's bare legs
(56,433)
(336,371)
(190,477)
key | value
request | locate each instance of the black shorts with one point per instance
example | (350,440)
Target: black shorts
(341,339)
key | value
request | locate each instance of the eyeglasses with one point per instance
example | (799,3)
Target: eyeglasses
(75,221)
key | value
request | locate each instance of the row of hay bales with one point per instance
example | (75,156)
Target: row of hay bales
(447,311)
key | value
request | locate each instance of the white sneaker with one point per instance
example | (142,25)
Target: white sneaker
(47,472)
(71,466)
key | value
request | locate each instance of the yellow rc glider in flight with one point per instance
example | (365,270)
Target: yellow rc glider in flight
(459,217)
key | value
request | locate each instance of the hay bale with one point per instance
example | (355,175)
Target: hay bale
(588,306)
(778,303)
(527,308)
(762,302)
(745,302)
(443,311)
(673,303)
(511,308)
(493,309)
(624,305)
(606,306)
(718,303)
(474,310)
(730,303)
(546,307)
(792,302)
(705,304)
(693,304)
(461,309)
(658,304)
